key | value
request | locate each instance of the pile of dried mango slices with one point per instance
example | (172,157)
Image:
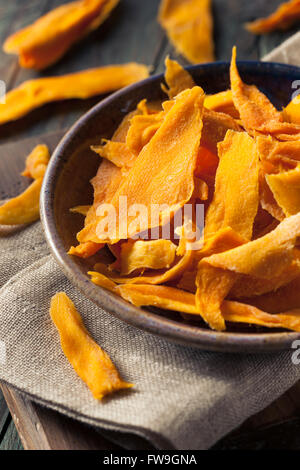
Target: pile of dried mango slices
(232,152)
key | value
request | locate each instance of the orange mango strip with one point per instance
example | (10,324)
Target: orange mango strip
(116,152)
(170,298)
(36,162)
(142,129)
(91,363)
(150,254)
(168,162)
(147,278)
(215,127)
(22,209)
(282,155)
(176,78)
(81,85)
(49,38)
(236,187)
(25,208)
(82,210)
(105,184)
(265,257)
(292,111)
(285,187)
(256,111)
(222,102)
(189,26)
(285,15)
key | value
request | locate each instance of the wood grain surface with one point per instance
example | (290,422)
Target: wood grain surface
(131,34)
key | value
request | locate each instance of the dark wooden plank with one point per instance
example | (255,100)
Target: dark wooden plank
(11,440)
(130,34)
(3,413)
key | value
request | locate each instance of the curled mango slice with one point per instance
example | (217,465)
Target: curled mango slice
(90,362)
(285,15)
(170,298)
(256,111)
(152,254)
(222,102)
(177,78)
(285,187)
(81,85)
(36,162)
(49,38)
(168,161)
(85,250)
(116,152)
(189,26)
(236,187)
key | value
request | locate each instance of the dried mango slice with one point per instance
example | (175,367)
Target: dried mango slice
(267,199)
(236,187)
(36,162)
(282,155)
(285,187)
(169,298)
(201,189)
(149,277)
(265,257)
(189,26)
(116,152)
(286,297)
(292,111)
(152,254)
(256,111)
(222,102)
(214,284)
(91,363)
(177,78)
(247,286)
(23,209)
(285,15)
(168,162)
(103,281)
(49,38)
(142,129)
(81,85)
(85,250)
(82,210)
(215,127)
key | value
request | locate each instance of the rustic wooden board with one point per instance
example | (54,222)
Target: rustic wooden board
(131,34)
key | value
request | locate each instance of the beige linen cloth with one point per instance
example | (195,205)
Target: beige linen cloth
(183,398)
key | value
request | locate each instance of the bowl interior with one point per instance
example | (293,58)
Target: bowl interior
(66,185)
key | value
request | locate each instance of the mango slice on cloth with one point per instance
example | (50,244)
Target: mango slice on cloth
(90,362)
(189,26)
(80,85)
(236,187)
(285,15)
(168,161)
(49,38)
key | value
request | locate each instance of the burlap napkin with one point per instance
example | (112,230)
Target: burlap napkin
(184,398)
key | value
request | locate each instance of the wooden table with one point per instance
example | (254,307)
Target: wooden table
(131,34)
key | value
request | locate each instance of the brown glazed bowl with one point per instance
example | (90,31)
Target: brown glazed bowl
(67,185)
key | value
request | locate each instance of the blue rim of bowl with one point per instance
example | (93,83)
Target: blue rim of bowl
(166,328)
